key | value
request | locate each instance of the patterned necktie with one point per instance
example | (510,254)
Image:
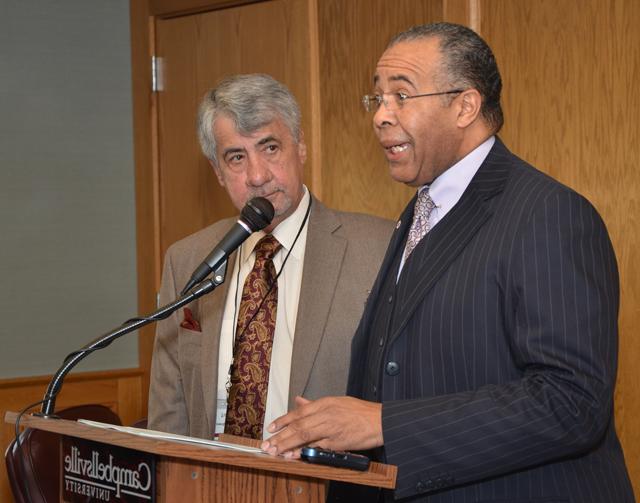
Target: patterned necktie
(420,225)
(252,349)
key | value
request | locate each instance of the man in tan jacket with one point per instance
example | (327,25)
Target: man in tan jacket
(249,128)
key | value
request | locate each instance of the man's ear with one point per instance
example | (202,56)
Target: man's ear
(470,106)
(217,171)
(302,148)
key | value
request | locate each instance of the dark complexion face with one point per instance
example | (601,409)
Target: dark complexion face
(421,139)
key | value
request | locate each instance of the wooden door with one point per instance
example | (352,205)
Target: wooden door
(197,51)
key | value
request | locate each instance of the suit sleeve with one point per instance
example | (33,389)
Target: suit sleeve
(167,405)
(560,316)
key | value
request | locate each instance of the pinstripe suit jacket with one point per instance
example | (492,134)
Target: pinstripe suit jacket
(496,358)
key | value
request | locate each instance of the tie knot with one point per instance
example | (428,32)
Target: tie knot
(267,247)
(424,203)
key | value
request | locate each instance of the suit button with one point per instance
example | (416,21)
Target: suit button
(374,389)
(392,368)
(390,299)
(381,341)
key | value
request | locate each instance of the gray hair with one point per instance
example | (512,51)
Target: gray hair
(251,101)
(468,62)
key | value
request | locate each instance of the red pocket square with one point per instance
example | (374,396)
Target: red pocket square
(189,321)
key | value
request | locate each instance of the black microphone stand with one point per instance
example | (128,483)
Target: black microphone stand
(74,358)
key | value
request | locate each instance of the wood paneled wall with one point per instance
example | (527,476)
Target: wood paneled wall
(354,174)
(571,70)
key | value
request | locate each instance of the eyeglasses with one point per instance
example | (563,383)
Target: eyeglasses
(395,101)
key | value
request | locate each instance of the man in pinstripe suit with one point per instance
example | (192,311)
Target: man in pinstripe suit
(485,361)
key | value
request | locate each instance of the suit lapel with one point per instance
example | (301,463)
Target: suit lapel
(211,310)
(322,264)
(438,250)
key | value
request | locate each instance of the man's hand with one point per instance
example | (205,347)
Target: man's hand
(336,423)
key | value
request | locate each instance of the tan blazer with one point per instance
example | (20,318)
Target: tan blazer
(344,252)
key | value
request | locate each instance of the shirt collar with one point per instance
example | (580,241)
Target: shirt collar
(447,189)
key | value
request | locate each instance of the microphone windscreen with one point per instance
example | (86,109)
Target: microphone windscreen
(257,213)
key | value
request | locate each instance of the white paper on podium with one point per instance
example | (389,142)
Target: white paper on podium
(161,435)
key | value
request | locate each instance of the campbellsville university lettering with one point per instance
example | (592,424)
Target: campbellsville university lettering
(100,472)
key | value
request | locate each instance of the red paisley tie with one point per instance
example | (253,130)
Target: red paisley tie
(252,349)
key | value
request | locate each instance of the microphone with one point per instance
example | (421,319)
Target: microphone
(255,216)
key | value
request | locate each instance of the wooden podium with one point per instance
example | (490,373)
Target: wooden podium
(186,472)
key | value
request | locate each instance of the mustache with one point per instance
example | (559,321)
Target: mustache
(264,191)
(284,203)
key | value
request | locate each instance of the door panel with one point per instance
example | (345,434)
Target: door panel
(198,51)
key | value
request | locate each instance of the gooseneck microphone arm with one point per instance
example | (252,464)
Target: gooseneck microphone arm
(74,358)
(255,216)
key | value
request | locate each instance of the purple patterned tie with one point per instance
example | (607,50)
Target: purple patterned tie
(420,225)
(252,349)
